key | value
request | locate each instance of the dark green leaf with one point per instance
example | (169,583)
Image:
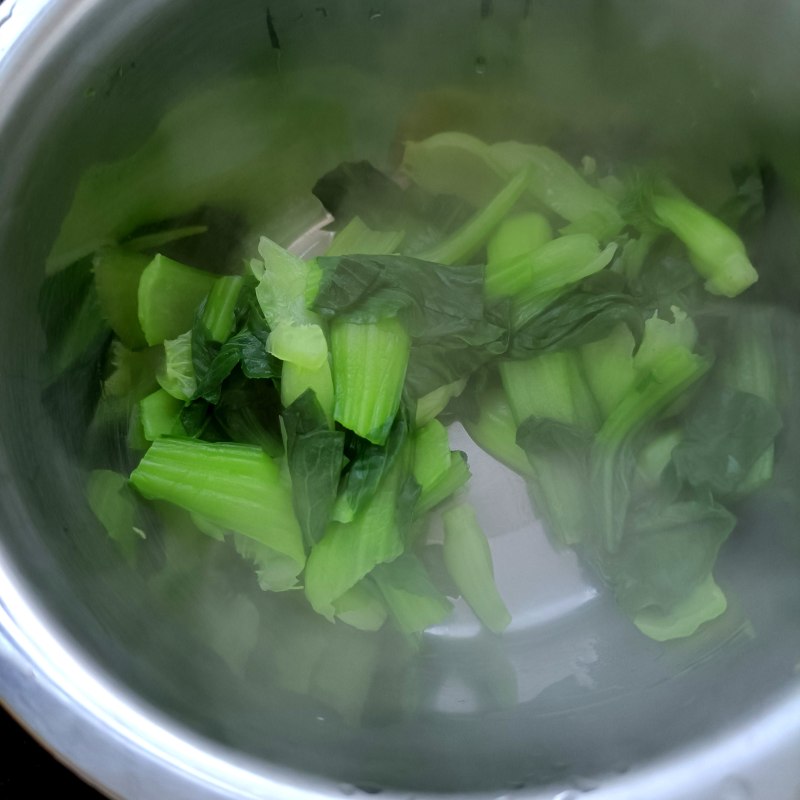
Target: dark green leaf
(559,455)
(315,455)
(582,316)
(248,412)
(359,189)
(725,434)
(367,463)
(441,307)
(213,362)
(668,551)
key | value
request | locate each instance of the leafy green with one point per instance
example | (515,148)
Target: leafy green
(469,562)
(583,315)
(441,307)
(667,552)
(414,602)
(358,189)
(349,551)
(366,463)
(214,362)
(315,455)
(724,436)
(558,454)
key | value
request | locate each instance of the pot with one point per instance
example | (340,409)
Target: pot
(189,691)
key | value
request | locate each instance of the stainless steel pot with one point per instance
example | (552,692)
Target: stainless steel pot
(121,682)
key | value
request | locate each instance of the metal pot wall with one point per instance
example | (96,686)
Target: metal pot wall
(127,684)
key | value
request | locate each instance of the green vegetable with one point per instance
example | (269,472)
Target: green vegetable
(369,367)
(725,436)
(113,503)
(296,336)
(462,243)
(300,423)
(349,551)
(469,562)
(750,365)
(235,486)
(716,251)
(495,431)
(438,471)
(160,413)
(665,380)
(315,455)
(508,253)
(117,273)
(169,294)
(413,601)
(356,237)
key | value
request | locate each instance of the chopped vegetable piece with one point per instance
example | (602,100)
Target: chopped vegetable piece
(462,243)
(160,414)
(469,562)
(413,601)
(716,251)
(369,367)
(113,503)
(236,486)
(218,313)
(169,294)
(117,273)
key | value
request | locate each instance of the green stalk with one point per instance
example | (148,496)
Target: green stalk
(668,378)
(160,413)
(414,602)
(429,406)
(445,484)
(362,607)
(469,562)
(349,551)
(471,236)
(218,314)
(496,432)
(117,274)
(717,252)
(296,379)
(169,294)
(235,486)
(555,266)
(750,366)
(507,264)
(369,367)
(357,237)
(550,386)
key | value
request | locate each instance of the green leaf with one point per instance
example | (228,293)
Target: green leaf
(558,454)
(469,562)
(441,307)
(414,602)
(724,436)
(366,465)
(668,551)
(358,189)
(584,315)
(315,456)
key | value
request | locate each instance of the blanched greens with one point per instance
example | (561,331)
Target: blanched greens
(584,337)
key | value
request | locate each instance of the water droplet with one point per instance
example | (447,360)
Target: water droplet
(480,65)
(373,15)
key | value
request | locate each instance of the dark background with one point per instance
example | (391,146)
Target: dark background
(29,770)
